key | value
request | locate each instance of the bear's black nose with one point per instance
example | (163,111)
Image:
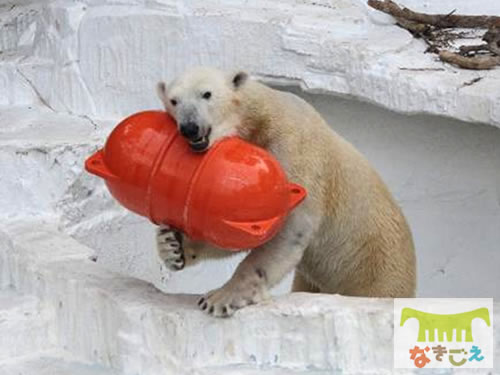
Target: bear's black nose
(190,130)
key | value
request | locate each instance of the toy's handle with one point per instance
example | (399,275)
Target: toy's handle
(263,227)
(297,195)
(255,228)
(95,165)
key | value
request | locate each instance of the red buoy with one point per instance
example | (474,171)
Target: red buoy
(235,195)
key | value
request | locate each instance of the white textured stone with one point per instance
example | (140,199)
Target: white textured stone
(103,58)
(25,324)
(41,154)
(63,65)
(127,325)
(51,363)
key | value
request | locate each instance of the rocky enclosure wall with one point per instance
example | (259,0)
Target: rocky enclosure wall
(103,58)
(69,70)
(81,62)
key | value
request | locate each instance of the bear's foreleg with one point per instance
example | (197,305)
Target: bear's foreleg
(261,269)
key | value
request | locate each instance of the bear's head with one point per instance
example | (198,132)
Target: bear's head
(204,102)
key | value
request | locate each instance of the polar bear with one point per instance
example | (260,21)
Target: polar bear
(348,236)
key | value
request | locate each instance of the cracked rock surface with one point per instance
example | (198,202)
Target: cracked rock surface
(102,58)
(70,70)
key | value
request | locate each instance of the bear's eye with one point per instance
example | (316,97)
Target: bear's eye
(207,95)
(173,102)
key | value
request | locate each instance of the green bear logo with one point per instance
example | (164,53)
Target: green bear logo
(445,323)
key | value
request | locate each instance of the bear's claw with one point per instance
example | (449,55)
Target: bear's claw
(169,247)
(223,302)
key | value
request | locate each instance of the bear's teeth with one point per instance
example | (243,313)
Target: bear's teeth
(200,145)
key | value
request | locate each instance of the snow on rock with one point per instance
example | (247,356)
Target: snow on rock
(103,58)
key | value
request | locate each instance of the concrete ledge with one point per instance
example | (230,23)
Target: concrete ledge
(102,59)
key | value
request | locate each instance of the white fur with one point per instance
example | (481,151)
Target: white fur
(347,237)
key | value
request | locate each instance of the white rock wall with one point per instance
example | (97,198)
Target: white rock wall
(66,66)
(446,176)
(100,59)
(103,58)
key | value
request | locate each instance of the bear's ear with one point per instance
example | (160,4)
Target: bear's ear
(161,90)
(238,79)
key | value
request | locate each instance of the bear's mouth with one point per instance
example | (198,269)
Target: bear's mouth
(200,144)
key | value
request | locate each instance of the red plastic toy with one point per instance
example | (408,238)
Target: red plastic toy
(235,195)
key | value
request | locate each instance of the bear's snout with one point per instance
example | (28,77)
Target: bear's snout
(198,141)
(190,130)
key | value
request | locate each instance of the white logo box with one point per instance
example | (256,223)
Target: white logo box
(406,336)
